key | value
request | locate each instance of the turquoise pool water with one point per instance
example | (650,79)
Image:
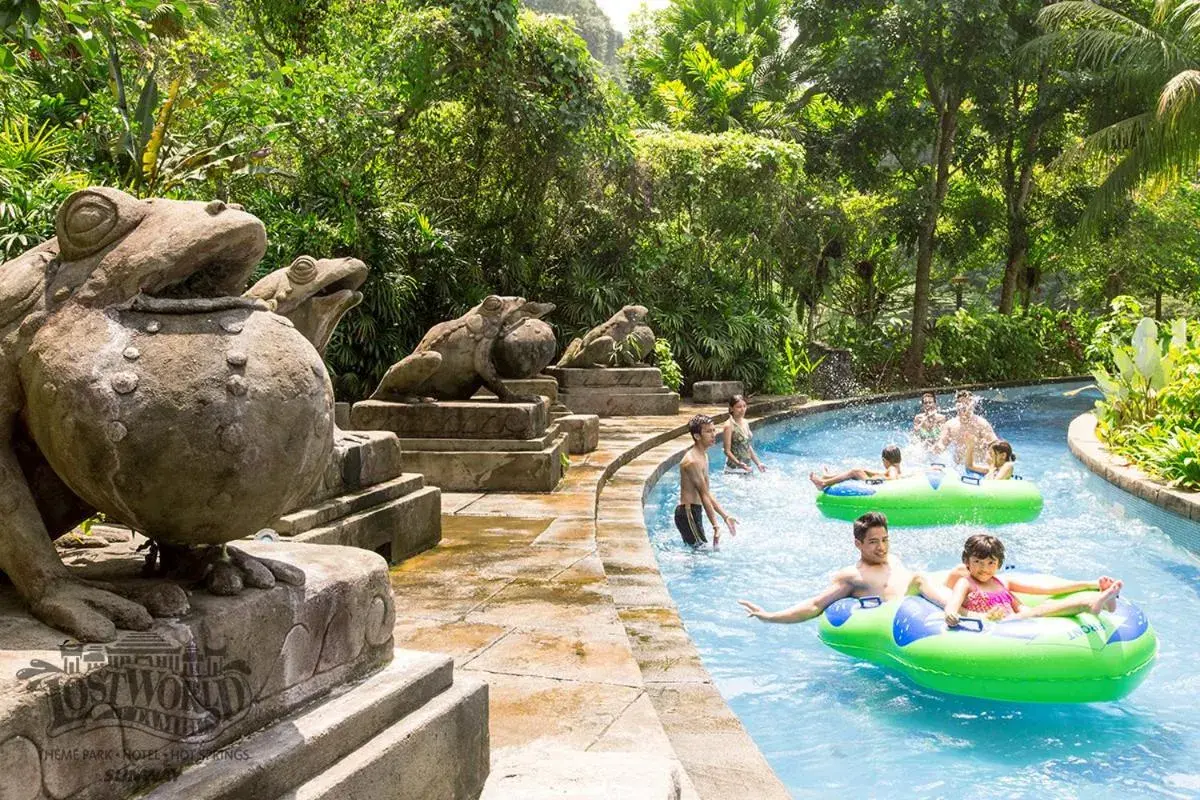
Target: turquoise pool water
(834,727)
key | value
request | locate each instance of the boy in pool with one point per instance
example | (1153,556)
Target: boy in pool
(982,593)
(695,496)
(998,467)
(927,424)
(891,471)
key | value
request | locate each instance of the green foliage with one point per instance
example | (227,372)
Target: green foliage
(1151,408)
(665,361)
(790,370)
(1039,342)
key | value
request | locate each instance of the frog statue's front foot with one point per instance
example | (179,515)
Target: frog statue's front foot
(88,613)
(221,569)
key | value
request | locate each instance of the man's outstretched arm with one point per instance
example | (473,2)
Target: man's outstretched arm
(806,609)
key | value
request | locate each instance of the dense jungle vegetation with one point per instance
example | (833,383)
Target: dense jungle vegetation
(952,191)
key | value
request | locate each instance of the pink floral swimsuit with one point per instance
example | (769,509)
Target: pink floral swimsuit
(993,605)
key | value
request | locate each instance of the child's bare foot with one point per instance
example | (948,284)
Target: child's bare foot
(1107,600)
(817,482)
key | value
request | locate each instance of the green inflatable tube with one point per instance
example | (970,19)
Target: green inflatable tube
(1081,659)
(935,498)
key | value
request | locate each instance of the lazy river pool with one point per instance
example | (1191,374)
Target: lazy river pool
(831,726)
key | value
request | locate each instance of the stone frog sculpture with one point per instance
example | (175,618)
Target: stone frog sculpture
(134,380)
(314,294)
(457,357)
(605,345)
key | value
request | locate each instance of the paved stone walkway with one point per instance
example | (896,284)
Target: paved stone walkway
(556,601)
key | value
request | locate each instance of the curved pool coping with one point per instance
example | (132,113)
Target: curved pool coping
(710,742)
(1084,444)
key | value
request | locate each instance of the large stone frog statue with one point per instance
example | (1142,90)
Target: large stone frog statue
(314,294)
(456,358)
(624,340)
(134,380)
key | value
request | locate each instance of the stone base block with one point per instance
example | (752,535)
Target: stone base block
(604,377)
(615,392)
(410,730)
(716,391)
(583,432)
(542,385)
(621,402)
(467,419)
(147,702)
(467,470)
(360,458)
(341,415)
(396,528)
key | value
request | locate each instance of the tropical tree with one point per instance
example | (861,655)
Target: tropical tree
(714,65)
(1157,61)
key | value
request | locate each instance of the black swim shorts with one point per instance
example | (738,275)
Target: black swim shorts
(689,520)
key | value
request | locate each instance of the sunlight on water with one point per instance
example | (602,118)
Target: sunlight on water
(831,726)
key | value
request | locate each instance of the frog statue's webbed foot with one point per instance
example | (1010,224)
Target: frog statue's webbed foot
(229,570)
(88,613)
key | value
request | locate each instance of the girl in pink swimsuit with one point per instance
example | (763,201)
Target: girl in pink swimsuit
(983,594)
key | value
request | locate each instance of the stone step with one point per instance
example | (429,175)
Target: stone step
(360,459)
(343,505)
(583,432)
(396,530)
(571,377)
(300,748)
(507,445)
(459,419)
(491,470)
(609,391)
(616,403)
(546,774)
(439,751)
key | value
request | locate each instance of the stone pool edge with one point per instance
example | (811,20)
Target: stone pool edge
(1090,451)
(715,750)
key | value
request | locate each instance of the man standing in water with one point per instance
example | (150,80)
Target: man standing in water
(695,497)
(877,573)
(966,426)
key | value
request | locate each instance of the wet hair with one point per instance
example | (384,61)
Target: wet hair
(963,394)
(929,394)
(733,401)
(1001,446)
(871,519)
(982,545)
(697,423)
(891,454)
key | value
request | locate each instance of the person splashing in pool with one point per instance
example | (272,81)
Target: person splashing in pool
(877,573)
(998,467)
(981,593)
(965,428)
(891,471)
(695,496)
(927,424)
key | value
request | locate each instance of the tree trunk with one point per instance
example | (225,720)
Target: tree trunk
(1018,251)
(1158,305)
(914,367)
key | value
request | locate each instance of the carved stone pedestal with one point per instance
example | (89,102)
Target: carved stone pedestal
(583,430)
(473,445)
(365,499)
(615,391)
(292,689)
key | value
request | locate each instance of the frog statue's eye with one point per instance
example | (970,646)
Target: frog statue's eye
(91,219)
(302,270)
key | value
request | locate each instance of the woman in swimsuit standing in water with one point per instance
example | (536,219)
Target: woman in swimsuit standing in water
(739,453)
